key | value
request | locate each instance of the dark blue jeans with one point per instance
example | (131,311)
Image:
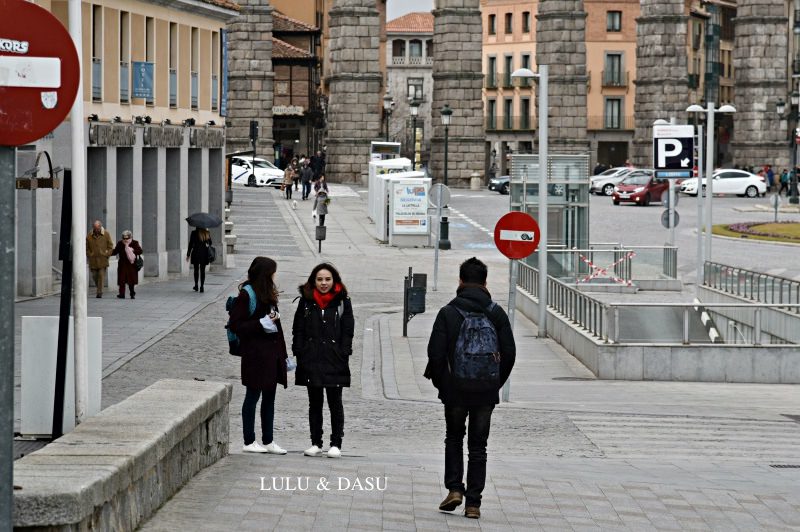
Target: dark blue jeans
(334,394)
(249,415)
(480,419)
(306,190)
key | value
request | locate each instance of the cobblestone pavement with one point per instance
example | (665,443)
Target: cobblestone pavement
(569,452)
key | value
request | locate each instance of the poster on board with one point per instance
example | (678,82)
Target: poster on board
(409,207)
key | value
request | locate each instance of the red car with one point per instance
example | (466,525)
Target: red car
(640,187)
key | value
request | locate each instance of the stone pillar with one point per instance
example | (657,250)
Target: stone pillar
(458,82)
(760,58)
(561,44)
(662,89)
(355,90)
(250,78)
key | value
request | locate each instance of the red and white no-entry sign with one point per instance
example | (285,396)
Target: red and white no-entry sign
(39,72)
(516,235)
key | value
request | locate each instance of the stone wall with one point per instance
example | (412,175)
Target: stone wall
(250,77)
(760,62)
(662,89)
(458,81)
(355,89)
(560,34)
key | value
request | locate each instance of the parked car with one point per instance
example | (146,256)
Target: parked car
(246,171)
(640,187)
(604,182)
(726,181)
(500,184)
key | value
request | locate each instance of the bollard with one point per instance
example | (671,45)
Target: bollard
(320,235)
(414,288)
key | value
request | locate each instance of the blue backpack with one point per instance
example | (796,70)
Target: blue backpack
(233,340)
(476,361)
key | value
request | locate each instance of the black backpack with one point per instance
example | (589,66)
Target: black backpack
(476,359)
(233,340)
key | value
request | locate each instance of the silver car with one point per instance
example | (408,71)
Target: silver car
(604,183)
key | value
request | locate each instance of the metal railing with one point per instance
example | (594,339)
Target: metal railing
(615,78)
(509,123)
(622,122)
(490,80)
(97,79)
(752,285)
(124,82)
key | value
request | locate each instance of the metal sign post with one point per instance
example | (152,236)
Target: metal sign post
(700,223)
(440,196)
(7,289)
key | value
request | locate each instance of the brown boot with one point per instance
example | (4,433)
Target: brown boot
(452,501)
(473,512)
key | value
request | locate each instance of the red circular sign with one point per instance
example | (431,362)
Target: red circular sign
(516,235)
(39,72)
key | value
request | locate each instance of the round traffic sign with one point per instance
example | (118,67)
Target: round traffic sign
(665,199)
(39,72)
(440,195)
(665,218)
(516,235)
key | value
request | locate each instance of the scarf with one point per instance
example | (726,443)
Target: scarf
(129,251)
(323,300)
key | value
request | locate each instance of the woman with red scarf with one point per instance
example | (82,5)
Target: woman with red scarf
(322,341)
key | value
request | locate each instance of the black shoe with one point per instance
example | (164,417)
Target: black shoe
(120,296)
(452,501)
(195,288)
(133,296)
(201,289)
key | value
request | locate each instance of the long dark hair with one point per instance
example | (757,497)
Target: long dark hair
(311,283)
(260,277)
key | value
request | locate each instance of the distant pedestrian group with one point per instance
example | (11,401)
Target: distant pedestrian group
(99,247)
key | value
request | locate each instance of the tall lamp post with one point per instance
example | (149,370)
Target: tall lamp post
(413,105)
(526,73)
(710,110)
(444,226)
(388,105)
(793,118)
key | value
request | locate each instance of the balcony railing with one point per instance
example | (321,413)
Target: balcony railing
(507,81)
(214,92)
(429,60)
(398,60)
(490,80)
(610,122)
(124,82)
(173,87)
(97,79)
(415,60)
(508,123)
(195,89)
(615,78)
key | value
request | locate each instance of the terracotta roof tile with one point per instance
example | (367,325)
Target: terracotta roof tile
(281,22)
(227,4)
(419,22)
(284,50)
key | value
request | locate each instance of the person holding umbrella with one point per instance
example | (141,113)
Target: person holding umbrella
(198,252)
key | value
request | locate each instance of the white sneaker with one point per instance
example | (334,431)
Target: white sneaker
(334,452)
(313,451)
(274,448)
(254,447)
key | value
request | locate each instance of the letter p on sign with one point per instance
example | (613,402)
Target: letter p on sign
(667,148)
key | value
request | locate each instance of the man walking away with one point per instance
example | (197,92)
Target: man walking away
(471,352)
(306,176)
(318,164)
(98,249)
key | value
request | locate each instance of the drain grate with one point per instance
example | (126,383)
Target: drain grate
(785,466)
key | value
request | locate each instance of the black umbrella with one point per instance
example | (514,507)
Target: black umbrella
(204,220)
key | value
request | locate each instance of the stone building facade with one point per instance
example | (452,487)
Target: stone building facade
(458,82)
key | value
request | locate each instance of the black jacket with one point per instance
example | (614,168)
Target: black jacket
(442,345)
(322,341)
(198,250)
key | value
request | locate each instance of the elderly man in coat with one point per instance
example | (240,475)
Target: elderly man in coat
(98,249)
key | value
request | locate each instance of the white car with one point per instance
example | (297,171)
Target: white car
(727,181)
(255,173)
(603,183)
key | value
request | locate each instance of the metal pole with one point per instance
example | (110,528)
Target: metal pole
(671,195)
(7,290)
(793,198)
(542,110)
(513,273)
(446,134)
(65,255)
(436,247)
(413,142)
(709,156)
(388,114)
(444,225)
(406,284)
(79,283)
(700,223)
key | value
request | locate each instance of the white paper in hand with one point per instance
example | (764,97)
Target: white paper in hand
(268,325)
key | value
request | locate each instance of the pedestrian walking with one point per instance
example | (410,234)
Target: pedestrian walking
(784,182)
(288,180)
(320,185)
(98,248)
(322,342)
(318,164)
(296,174)
(263,351)
(306,176)
(198,253)
(128,250)
(322,201)
(471,352)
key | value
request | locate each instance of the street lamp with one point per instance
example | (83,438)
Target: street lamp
(444,225)
(793,118)
(388,105)
(414,108)
(710,110)
(526,73)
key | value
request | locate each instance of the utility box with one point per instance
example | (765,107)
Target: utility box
(416,299)
(322,232)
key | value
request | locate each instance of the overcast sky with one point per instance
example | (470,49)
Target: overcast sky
(398,8)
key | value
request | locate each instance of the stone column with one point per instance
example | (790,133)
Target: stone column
(561,44)
(662,89)
(760,58)
(458,82)
(250,78)
(355,90)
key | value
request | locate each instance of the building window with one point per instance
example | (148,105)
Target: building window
(613,113)
(525,113)
(526,22)
(508,114)
(492,26)
(195,68)
(150,51)
(614,21)
(429,51)
(491,73)
(491,114)
(612,75)
(509,68)
(509,23)
(415,86)
(124,56)
(97,53)
(173,65)
(215,64)
(415,52)
(398,52)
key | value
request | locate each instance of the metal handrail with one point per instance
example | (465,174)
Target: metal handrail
(752,285)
